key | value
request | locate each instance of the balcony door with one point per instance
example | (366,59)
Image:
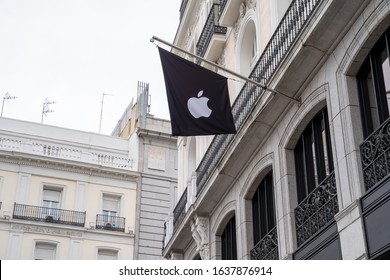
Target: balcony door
(51,203)
(110,209)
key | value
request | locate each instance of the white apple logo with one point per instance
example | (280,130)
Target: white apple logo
(198,106)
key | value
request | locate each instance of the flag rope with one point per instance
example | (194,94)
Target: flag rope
(154,38)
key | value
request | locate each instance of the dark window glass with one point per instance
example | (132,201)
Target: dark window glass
(263,209)
(374,86)
(313,155)
(228,241)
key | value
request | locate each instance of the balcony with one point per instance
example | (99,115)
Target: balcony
(229,11)
(180,210)
(267,248)
(48,215)
(375,154)
(206,37)
(280,43)
(316,210)
(111,223)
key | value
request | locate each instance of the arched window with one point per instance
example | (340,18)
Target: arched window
(248,49)
(316,183)
(313,155)
(374,86)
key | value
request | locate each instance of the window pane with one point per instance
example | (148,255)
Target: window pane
(313,158)
(315,168)
(263,209)
(372,100)
(386,75)
(326,159)
(228,240)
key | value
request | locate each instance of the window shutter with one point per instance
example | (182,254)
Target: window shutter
(111,203)
(45,251)
(104,254)
(51,195)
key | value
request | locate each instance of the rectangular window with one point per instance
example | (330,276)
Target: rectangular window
(51,198)
(110,208)
(45,251)
(51,202)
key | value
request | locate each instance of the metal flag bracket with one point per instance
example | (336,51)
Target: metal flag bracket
(256,83)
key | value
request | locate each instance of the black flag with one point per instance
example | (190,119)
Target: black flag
(198,98)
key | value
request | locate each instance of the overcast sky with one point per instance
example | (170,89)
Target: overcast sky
(73,51)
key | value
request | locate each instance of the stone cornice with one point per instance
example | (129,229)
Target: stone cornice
(68,166)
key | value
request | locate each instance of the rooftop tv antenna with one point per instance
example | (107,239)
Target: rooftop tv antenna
(7,96)
(45,108)
(101,111)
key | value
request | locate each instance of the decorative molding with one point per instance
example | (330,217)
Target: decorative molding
(246,6)
(98,171)
(46,230)
(250,4)
(222,59)
(200,233)
(176,256)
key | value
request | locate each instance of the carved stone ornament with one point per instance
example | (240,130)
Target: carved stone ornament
(244,8)
(46,230)
(222,60)
(250,4)
(242,11)
(176,256)
(200,233)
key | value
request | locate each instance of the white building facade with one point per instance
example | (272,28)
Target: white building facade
(65,194)
(74,195)
(306,175)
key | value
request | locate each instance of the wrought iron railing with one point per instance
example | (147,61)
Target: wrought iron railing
(222,5)
(112,223)
(267,247)
(290,26)
(375,154)
(183,7)
(209,29)
(48,215)
(316,210)
(164,237)
(180,210)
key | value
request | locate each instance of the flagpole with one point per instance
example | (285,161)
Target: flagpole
(225,69)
